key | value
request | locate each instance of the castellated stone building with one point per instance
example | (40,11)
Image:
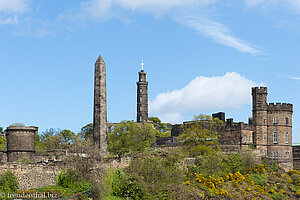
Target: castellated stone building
(272,132)
(269,130)
(142,97)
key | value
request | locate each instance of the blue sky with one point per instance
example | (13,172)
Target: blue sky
(201,56)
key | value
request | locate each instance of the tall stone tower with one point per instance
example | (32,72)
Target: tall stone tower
(142,96)
(272,128)
(100,109)
(260,117)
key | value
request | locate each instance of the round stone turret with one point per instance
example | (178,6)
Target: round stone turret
(20,142)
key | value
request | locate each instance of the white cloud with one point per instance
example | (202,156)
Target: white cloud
(145,5)
(292,4)
(219,33)
(106,9)
(99,8)
(230,91)
(295,78)
(8,20)
(156,6)
(14,6)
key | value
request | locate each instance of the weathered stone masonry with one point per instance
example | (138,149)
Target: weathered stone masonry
(269,130)
(142,97)
(20,142)
(100,109)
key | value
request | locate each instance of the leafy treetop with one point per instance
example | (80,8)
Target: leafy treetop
(200,136)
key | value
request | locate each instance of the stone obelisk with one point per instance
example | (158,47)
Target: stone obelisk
(100,109)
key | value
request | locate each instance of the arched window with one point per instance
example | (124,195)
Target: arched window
(275,137)
(274,120)
(286,137)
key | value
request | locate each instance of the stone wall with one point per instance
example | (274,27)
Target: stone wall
(296,157)
(37,175)
(33,175)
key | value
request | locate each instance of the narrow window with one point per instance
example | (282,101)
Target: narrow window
(264,121)
(286,137)
(249,139)
(141,90)
(245,139)
(286,120)
(141,108)
(276,155)
(141,119)
(275,137)
(274,120)
(273,155)
(141,99)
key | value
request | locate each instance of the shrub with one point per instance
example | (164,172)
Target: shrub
(157,172)
(295,179)
(24,160)
(249,158)
(252,146)
(235,162)
(298,193)
(69,179)
(211,164)
(9,182)
(120,185)
(277,196)
(274,166)
(259,179)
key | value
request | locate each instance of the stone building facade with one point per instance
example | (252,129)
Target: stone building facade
(296,156)
(142,97)
(269,130)
(272,133)
(20,142)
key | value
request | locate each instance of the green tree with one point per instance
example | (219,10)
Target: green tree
(2,140)
(164,128)
(50,139)
(39,145)
(9,182)
(56,138)
(128,136)
(2,143)
(67,137)
(155,120)
(86,133)
(200,136)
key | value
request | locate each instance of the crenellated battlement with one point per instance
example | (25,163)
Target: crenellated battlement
(256,90)
(280,107)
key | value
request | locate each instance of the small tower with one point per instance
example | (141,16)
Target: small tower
(260,116)
(20,142)
(142,96)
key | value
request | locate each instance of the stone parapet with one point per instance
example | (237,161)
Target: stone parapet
(280,107)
